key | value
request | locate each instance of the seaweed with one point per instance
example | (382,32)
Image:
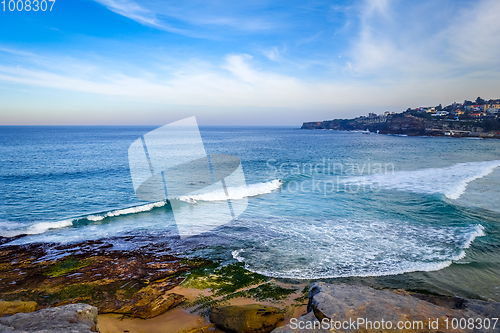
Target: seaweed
(222,280)
(263,292)
(304,296)
(67,265)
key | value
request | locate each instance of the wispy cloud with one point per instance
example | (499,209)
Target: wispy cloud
(192,18)
(474,34)
(272,53)
(131,10)
(134,11)
(396,40)
(236,81)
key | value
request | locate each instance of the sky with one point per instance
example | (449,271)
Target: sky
(256,62)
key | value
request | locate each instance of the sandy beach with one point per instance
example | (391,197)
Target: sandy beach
(183,319)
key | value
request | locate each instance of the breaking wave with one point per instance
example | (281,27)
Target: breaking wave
(38,228)
(234,193)
(126,211)
(450,181)
(41,227)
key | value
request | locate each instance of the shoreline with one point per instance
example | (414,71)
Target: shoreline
(412,134)
(143,290)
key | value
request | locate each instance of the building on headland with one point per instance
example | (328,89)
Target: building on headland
(478,118)
(493,108)
(478,114)
(440,113)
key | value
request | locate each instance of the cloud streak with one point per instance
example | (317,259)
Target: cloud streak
(134,11)
(131,10)
(193,18)
(236,81)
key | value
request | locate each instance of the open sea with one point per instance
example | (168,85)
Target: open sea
(420,213)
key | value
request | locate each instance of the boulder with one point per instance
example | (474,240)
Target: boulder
(10,308)
(339,303)
(253,318)
(74,318)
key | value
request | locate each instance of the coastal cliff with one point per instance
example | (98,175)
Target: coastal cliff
(408,124)
(462,120)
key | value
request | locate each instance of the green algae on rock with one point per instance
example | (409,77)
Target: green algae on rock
(133,283)
(67,265)
(222,280)
(10,308)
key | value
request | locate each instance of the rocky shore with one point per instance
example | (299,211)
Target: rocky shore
(43,286)
(141,284)
(132,283)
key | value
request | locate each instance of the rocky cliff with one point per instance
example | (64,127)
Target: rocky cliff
(410,125)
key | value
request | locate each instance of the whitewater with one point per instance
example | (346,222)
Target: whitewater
(437,213)
(235,193)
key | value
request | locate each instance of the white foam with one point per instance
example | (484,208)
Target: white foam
(126,211)
(41,227)
(450,181)
(310,275)
(478,232)
(37,228)
(234,193)
(236,255)
(345,248)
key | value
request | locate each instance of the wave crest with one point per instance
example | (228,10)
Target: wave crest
(234,193)
(450,181)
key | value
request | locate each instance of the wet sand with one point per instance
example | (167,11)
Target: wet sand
(173,321)
(182,319)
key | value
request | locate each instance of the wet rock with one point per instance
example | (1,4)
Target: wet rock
(307,318)
(346,303)
(253,318)
(10,308)
(130,282)
(75,318)
(147,305)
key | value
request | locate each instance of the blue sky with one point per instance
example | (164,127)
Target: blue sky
(243,62)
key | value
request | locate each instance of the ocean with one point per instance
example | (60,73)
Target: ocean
(420,213)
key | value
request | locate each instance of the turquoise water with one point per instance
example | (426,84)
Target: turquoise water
(412,212)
